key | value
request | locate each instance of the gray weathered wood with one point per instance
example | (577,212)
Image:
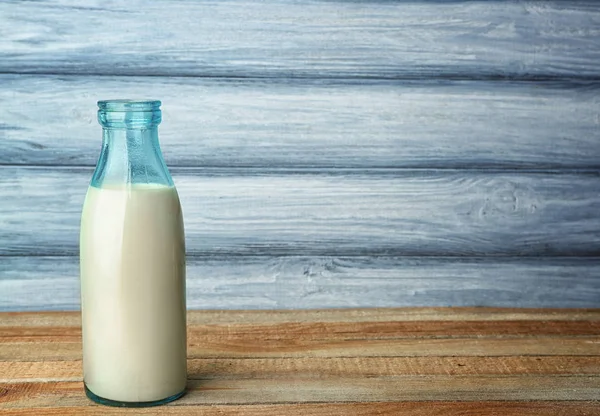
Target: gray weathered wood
(494,39)
(52,283)
(52,120)
(317,127)
(337,212)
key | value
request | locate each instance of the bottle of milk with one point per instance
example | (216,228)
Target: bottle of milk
(132,255)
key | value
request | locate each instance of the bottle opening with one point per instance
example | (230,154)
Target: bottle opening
(129,105)
(129,114)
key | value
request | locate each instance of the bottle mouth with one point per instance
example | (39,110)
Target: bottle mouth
(129,114)
(129,105)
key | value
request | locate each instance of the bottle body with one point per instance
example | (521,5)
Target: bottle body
(132,262)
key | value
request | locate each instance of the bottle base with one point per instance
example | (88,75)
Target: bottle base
(115,403)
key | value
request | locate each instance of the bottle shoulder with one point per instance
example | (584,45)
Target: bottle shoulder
(131,157)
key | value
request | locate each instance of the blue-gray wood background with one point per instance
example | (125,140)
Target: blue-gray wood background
(327,153)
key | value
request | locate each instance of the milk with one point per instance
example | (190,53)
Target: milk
(133,292)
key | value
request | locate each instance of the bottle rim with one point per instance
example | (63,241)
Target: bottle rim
(126,105)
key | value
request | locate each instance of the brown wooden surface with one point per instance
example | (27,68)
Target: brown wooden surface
(419,361)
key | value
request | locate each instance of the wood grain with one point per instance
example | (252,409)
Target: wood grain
(284,334)
(424,332)
(420,388)
(349,367)
(495,408)
(262,317)
(303,117)
(402,213)
(331,367)
(525,39)
(314,124)
(251,348)
(52,283)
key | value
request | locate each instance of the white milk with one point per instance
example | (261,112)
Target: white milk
(133,292)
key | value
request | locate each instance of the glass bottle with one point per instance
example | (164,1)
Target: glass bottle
(132,264)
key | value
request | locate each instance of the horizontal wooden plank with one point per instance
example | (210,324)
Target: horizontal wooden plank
(418,347)
(52,283)
(331,367)
(314,339)
(402,213)
(410,408)
(409,388)
(281,334)
(525,39)
(229,317)
(292,124)
(285,334)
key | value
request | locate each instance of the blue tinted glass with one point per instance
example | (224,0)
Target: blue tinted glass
(130,149)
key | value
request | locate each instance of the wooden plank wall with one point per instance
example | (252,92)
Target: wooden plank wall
(327,153)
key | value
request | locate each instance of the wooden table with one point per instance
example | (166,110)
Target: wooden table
(423,361)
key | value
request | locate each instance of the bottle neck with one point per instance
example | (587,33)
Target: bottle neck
(131,156)
(137,145)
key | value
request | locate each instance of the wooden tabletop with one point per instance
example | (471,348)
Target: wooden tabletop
(423,361)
